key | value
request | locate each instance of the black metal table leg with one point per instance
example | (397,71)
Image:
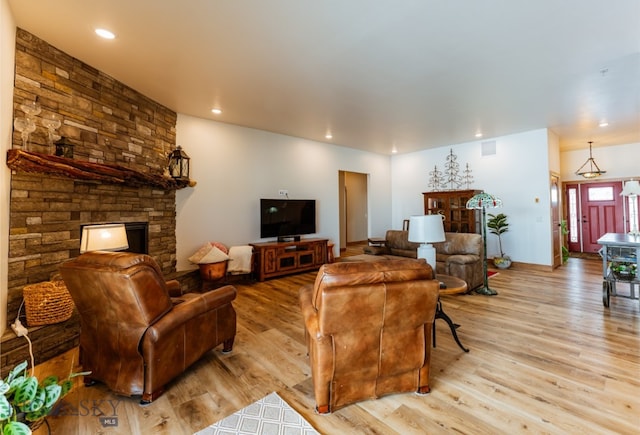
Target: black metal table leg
(440,314)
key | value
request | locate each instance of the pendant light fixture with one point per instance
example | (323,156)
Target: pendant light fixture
(592,171)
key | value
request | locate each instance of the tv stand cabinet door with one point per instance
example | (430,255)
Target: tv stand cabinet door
(306,259)
(320,256)
(268,261)
(287,261)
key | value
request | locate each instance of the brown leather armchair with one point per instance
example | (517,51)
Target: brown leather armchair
(134,337)
(368,330)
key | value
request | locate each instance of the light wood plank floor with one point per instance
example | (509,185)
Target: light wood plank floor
(546,357)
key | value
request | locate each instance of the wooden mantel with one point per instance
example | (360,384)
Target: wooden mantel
(24,161)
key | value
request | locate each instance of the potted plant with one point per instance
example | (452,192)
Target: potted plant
(498,225)
(25,401)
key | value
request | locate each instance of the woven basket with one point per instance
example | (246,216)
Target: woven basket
(213,271)
(47,303)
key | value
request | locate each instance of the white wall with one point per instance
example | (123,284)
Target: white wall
(236,166)
(620,162)
(554,152)
(518,173)
(7,68)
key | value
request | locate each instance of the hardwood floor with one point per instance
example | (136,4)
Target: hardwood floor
(546,357)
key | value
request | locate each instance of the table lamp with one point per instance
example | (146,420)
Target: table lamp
(107,237)
(427,229)
(632,190)
(483,201)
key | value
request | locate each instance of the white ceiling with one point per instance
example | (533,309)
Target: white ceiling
(413,74)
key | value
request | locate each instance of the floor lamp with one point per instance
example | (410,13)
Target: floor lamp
(483,201)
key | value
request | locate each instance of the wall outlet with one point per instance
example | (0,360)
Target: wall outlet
(283,192)
(20,330)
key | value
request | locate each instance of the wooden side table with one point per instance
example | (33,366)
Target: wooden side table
(450,286)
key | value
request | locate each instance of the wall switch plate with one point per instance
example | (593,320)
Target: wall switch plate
(283,192)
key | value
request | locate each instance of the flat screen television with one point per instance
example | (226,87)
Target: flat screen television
(283,218)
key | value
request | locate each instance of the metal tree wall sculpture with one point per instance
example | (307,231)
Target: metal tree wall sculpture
(451,178)
(467,178)
(451,172)
(435,179)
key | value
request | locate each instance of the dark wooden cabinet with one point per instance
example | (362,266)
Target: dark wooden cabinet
(283,258)
(452,205)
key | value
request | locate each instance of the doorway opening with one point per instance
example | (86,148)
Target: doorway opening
(353,208)
(592,210)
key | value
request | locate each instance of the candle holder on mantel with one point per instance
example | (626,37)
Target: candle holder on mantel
(27,124)
(52,122)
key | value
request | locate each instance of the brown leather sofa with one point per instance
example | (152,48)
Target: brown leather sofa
(134,337)
(460,255)
(368,329)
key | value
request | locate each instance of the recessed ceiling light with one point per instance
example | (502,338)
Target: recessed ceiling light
(478,134)
(328,136)
(394,150)
(603,124)
(106,34)
(216,111)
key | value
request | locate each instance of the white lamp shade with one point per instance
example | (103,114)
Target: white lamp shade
(426,228)
(108,237)
(631,187)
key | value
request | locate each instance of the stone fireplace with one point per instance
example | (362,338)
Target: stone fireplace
(108,124)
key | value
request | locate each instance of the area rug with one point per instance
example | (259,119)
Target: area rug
(268,416)
(491,273)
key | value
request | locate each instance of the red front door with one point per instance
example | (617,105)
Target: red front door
(600,212)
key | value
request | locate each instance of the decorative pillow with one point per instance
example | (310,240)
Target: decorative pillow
(215,255)
(195,258)
(220,246)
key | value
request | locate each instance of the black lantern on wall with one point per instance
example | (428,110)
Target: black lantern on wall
(179,164)
(64,148)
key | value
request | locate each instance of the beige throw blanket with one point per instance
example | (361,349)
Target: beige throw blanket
(239,259)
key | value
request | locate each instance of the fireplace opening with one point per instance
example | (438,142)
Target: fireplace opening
(138,237)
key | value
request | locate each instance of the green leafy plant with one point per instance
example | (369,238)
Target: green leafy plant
(624,271)
(24,400)
(498,225)
(564,228)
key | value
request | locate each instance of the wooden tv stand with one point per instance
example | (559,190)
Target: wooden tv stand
(284,258)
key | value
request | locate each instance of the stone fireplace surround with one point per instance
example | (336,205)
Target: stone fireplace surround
(108,123)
